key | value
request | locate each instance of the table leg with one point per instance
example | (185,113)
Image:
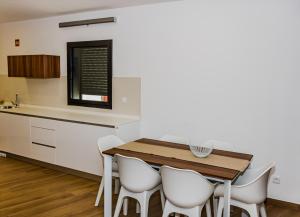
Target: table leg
(107,186)
(227,192)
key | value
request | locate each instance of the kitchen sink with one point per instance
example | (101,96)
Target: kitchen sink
(6,105)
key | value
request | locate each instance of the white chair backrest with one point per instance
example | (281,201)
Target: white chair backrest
(136,175)
(185,188)
(216,144)
(108,142)
(174,139)
(254,184)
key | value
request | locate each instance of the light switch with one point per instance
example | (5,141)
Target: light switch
(17,42)
(124,99)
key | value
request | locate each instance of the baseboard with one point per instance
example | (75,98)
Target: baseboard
(54,167)
(281,203)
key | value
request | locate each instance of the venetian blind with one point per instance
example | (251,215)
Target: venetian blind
(94,70)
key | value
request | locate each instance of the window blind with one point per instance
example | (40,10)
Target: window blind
(94,71)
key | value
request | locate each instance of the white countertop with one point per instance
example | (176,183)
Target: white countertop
(82,117)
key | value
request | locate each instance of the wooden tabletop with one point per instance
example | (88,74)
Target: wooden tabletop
(204,168)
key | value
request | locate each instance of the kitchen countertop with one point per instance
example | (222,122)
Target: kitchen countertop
(75,116)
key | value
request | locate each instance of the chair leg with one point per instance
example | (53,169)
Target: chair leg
(117,185)
(119,203)
(138,208)
(194,212)
(215,204)
(101,187)
(162,198)
(208,208)
(125,206)
(220,207)
(144,202)
(253,211)
(167,209)
(263,211)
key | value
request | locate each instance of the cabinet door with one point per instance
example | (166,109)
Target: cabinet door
(77,146)
(4,131)
(35,66)
(16,66)
(15,137)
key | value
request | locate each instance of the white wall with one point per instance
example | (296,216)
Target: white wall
(226,70)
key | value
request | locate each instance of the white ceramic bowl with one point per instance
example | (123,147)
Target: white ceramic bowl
(201,151)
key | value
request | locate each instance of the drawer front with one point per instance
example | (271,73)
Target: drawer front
(43,136)
(43,153)
(43,123)
(43,144)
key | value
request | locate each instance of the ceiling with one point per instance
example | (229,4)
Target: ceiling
(17,10)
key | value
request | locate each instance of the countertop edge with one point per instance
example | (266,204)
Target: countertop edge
(59,119)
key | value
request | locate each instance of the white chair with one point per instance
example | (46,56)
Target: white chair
(186,191)
(249,192)
(139,181)
(184,141)
(105,143)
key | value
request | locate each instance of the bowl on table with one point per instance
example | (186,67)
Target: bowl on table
(201,151)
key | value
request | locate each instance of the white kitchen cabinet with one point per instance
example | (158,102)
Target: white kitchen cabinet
(67,144)
(43,139)
(43,136)
(15,134)
(4,132)
(43,153)
(43,144)
(77,144)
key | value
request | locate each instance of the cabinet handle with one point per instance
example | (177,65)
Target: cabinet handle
(40,144)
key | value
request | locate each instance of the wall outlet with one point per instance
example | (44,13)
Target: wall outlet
(2,154)
(276,180)
(124,99)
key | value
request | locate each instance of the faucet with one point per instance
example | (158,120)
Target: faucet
(17,101)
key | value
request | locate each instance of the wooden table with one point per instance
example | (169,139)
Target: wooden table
(221,166)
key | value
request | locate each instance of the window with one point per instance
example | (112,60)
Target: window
(90,73)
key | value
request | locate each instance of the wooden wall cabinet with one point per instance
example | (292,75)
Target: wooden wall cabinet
(34,66)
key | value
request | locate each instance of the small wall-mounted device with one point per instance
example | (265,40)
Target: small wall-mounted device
(17,42)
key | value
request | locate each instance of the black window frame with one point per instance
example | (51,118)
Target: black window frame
(83,44)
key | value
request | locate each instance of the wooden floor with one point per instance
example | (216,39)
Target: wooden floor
(27,190)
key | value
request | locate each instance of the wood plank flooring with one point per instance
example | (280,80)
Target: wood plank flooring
(28,190)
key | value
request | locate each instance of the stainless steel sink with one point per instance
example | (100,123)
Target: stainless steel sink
(6,107)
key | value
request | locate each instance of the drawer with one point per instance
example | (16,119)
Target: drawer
(43,153)
(43,136)
(43,123)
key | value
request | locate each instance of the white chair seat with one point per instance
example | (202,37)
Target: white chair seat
(139,181)
(187,192)
(235,193)
(183,141)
